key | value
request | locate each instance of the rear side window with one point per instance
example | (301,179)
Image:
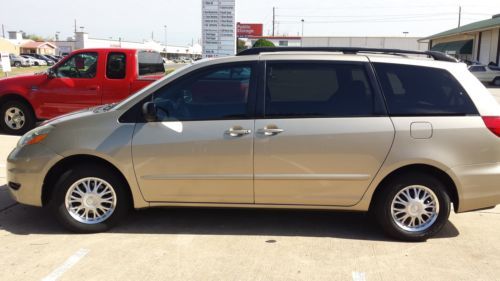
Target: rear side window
(116,66)
(317,90)
(415,90)
(150,63)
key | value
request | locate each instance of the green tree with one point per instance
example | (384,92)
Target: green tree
(263,43)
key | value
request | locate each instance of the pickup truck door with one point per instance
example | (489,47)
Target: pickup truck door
(118,76)
(75,86)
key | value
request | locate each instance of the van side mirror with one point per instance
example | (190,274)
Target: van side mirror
(51,73)
(149,111)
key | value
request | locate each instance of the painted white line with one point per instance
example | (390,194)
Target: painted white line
(69,263)
(358,276)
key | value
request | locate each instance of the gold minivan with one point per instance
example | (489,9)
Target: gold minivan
(404,135)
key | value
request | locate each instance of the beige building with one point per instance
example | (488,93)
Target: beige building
(8,47)
(42,48)
(477,41)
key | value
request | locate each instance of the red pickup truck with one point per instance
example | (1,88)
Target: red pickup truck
(83,79)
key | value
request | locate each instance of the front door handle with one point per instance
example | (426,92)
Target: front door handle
(93,88)
(237,131)
(270,131)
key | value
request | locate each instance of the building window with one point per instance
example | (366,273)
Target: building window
(283,43)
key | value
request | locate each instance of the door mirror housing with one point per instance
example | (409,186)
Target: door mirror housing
(149,111)
(51,73)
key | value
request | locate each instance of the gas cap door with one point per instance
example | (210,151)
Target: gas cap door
(421,130)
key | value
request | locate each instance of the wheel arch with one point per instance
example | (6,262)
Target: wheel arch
(18,97)
(445,178)
(54,173)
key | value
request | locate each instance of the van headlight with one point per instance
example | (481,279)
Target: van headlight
(35,136)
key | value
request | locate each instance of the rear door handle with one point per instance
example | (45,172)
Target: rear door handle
(93,88)
(237,131)
(270,131)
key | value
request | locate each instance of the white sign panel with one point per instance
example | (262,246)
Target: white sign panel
(218,28)
(5,62)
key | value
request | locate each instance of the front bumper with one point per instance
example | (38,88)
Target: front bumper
(27,168)
(479,186)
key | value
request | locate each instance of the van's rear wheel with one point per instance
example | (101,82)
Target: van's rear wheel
(90,199)
(412,207)
(17,117)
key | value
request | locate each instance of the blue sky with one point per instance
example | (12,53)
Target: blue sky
(136,20)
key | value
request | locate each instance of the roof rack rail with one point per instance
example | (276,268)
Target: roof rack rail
(439,56)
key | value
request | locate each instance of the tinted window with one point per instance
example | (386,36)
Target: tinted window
(82,65)
(217,93)
(318,90)
(116,66)
(417,90)
(150,63)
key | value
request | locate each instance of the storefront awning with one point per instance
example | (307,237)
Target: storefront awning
(455,47)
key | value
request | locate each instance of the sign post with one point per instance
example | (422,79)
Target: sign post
(5,63)
(218,28)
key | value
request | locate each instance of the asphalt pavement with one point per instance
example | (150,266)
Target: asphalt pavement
(229,244)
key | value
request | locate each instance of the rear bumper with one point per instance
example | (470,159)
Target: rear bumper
(479,186)
(26,170)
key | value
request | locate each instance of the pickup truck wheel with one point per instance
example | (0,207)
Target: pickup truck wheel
(412,207)
(89,199)
(17,117)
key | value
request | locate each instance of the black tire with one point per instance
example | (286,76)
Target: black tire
(17,64)
(383,202)
(58,206)
(36,63)
(496,81)
(27,113)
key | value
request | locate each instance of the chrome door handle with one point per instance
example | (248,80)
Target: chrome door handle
(237,132)
(270,131)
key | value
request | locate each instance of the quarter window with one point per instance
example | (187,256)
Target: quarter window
(82,65)
(417,90)
(218,93)
(317,90)
(116,66)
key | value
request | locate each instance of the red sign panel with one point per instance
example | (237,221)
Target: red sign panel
(249,29)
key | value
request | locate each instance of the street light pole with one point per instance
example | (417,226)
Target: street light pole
(166,48)
(302,27)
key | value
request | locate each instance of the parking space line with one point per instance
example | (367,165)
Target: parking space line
(69,263)
(358,276)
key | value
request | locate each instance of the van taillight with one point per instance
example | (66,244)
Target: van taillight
(493,123)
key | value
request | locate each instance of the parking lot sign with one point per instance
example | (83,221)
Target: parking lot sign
(5,62)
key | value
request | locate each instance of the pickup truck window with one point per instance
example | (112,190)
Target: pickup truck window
(116,66)
(150,63)
(81,65)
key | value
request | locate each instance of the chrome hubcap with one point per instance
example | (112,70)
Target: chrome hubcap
(14,118)
(415,208)
(90,200)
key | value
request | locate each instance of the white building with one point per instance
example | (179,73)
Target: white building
(82,40)
(405,43)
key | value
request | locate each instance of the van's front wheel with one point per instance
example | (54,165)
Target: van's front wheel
(89,199)
(412,207)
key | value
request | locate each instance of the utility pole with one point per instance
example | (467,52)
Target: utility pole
(152,36)
(459,15)
(302,27)
(75,25)
(3,31)
(274,18)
